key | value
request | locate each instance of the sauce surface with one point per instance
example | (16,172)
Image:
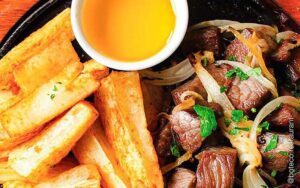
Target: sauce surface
(128,30)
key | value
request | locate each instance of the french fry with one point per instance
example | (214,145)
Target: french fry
(84,176)
(34,72)
(8,174)
(34,158)
(53,98)
(123,118)
(93,148)
(17,184)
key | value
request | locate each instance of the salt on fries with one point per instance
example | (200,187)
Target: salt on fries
(43,117)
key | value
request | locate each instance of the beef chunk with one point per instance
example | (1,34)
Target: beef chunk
(182,178)
(237,49)
(293,67)
(216,167)
(247,94)
(186,125)
(283,54)
(284,115)
(163,143)
(275,159)
(218,73)
(193,85)
(208,38)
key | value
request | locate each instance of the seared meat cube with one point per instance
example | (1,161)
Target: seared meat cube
(218,73)
(284,115)
(163,143)
(193,85)
(277,158)
(283,54)
(186,125)
(208,38)
(294,66)
(237,49)
(247,94)
(182,178)
(216,167)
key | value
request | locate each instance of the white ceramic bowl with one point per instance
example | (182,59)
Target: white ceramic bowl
(180,8)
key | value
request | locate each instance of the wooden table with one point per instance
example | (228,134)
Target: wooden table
(12,10)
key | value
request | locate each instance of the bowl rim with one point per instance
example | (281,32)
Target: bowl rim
(181,12)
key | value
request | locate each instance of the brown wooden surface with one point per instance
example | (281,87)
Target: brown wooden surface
(12,10)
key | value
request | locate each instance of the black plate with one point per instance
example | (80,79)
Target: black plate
(258,11)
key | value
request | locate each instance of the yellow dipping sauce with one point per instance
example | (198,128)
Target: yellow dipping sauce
(128,30)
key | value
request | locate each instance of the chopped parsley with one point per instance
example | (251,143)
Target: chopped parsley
(227,122)
(236,130)
(231,58)
(175,149)
(246,58)
(271,156)
(237,72)
(272,143)
(253,110)
(279,41)
(55,88)
(208,120)
(273,173)
(204,61)
(237,115)
(284,153)
(223,89)
(254,72)
(264,186)
(265,125)
(279,106)
(52,96)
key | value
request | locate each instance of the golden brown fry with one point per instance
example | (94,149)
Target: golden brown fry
(27,116)
(123,117)
(8,174)
(93,148)
(83,176)
(153,102)
(34,72)
(35,157)
(17,184)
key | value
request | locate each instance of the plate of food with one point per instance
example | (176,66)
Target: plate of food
(133,93)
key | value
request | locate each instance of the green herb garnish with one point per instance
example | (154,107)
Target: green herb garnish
(272,143)
(271,156)
(52,96)
(234,131)
(55,88)
(208,120)
(284,153)
(273,173)
(232,58)
(246,58)
(253,110)
(263,186)
(204,61)
(237,115)
(223,89)
(227,122)
(238,72)
(254,72)
(265,125)
(279,41)
(175,149)
(279,106)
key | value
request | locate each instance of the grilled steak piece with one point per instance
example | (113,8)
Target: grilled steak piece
(282,54)
(208,38)
(237,49)
(193,85)
(163,143)
(294,66)
(216,167)
(182,178)
(247,94)
(284,115)
(218,73)
(277,158)
(186,125)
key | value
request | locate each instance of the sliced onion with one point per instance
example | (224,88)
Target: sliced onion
(185,105)
(260,78)
(211,86)
(256,51)
(266,29)
(289,35)
(217,23)
(178,162)
(269,108)
(251,178)
(192,94)
(173,75)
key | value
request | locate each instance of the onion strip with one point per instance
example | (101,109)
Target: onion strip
(269,108)
(173,75)
(216,23)
(256,51)
(178,162)
(260,78)
(191,94)
(251,178)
